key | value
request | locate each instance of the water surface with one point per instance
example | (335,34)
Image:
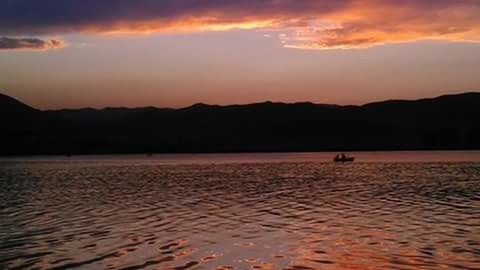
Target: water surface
(403,210)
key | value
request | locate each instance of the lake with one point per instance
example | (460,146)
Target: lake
(388,210)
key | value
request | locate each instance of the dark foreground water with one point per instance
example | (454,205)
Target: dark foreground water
(273,211)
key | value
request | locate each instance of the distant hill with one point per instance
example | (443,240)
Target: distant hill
(17,117)
(11,105)
(446,122)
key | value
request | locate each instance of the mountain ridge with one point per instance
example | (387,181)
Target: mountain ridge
(201,104)
(8,103)
(443,122)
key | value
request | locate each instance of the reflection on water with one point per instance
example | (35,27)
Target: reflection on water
(288,214)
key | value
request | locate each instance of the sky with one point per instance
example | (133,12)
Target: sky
(174,53)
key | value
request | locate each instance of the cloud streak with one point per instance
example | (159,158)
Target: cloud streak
(33,44)
(306,24)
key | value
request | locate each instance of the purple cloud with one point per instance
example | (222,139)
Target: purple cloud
(29,44)
(320,24)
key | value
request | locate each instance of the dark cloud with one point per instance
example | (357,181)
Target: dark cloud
(29,44)
(304,23)
(33,17)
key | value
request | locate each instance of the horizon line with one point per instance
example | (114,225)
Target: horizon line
(247,104)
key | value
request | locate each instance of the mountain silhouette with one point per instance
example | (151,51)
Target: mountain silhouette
(446,122)
(17,118)
(11,105)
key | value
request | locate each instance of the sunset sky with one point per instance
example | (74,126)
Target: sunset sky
(173,53)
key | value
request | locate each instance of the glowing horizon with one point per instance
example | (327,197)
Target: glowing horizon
(175,53)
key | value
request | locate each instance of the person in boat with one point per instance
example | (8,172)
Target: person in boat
(343,158)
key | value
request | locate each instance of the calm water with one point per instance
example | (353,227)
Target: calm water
(406,210)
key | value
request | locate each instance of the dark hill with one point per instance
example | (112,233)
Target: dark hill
(11,105)
(446,122)
(17,116)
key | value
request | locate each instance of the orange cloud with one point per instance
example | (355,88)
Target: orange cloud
(363,26)
(180,25)
(301,24)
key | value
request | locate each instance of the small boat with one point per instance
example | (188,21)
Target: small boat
(343,159)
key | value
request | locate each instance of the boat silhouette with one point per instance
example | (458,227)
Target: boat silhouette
(342,159)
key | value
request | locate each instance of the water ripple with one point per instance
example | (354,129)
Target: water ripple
(282,215)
